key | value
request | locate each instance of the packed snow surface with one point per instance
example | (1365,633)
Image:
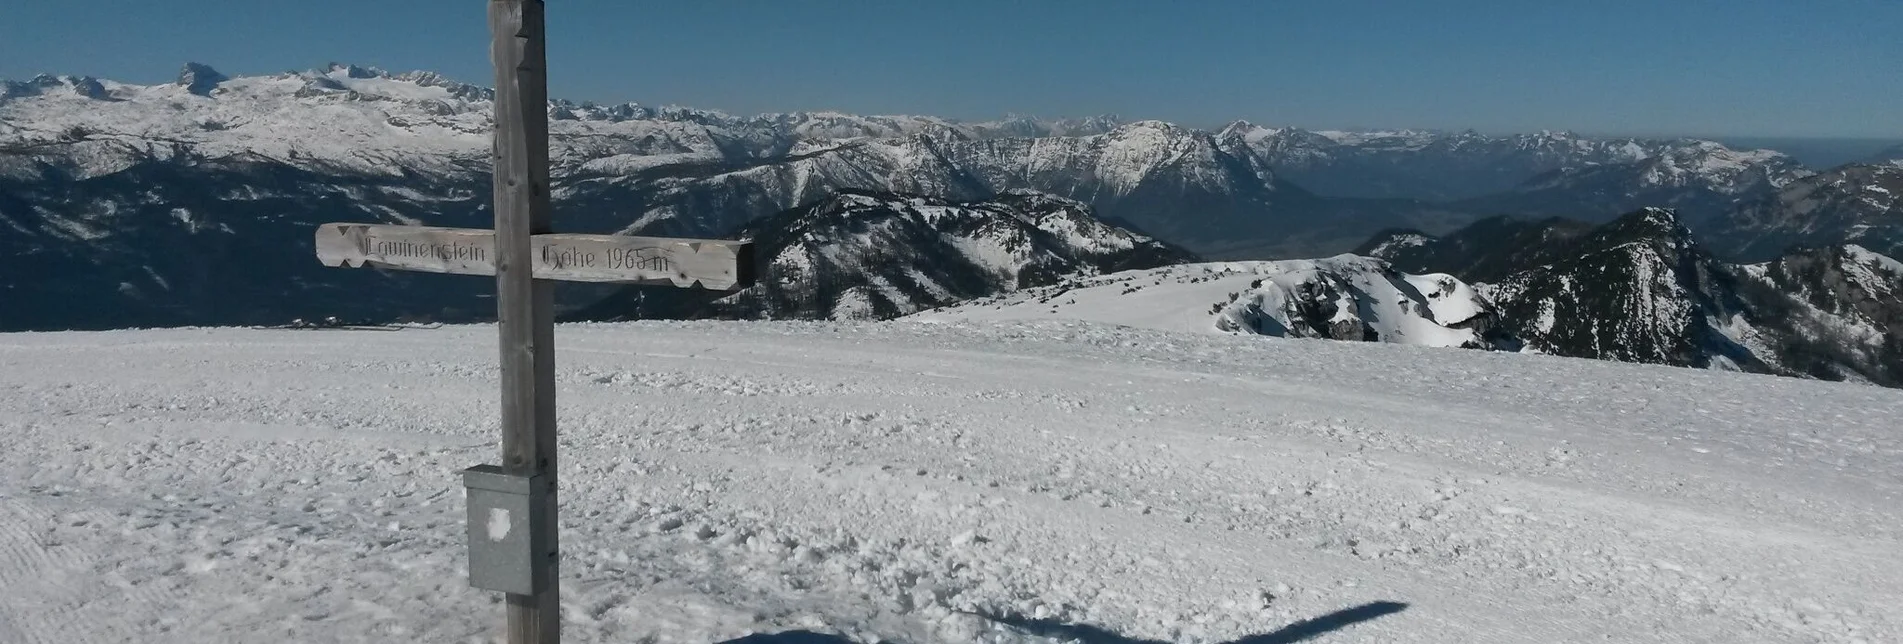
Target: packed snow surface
(956,482)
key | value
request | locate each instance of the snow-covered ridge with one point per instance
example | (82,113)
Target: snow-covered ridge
(367,119)
(1346,297)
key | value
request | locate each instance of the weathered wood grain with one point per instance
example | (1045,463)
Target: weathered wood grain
(689,263)
(525,305)
(704,263)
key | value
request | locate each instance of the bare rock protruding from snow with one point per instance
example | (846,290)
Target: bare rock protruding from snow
(1833,312)
(1636,290)
(200,79)
(1642,289)
(1345,297)
(863,255)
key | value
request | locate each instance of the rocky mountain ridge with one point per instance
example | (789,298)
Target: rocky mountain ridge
(1643,288)
(864,256)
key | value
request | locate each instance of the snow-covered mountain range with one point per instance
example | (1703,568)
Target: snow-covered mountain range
(1243,191)
(129,205)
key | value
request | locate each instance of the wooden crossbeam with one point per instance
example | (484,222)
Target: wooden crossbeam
(687,263)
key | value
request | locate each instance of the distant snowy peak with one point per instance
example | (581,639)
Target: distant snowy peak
(1405,139)
(1721,169)
(1880,266)
(200,79)
(1843,279)
(1018,238)
(80,86)
(1341,298)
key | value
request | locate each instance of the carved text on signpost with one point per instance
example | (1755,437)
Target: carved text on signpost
(706,263)
(650,258)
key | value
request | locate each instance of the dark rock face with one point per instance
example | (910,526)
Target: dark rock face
(200,79)
(1835,312)
(1636,290)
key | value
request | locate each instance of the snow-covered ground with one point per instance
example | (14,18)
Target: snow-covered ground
(940,482)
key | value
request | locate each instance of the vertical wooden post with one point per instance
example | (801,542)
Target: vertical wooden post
(525,305)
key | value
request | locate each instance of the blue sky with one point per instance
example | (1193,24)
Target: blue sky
(1701,67)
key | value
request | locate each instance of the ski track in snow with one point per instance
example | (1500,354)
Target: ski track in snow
(941,482)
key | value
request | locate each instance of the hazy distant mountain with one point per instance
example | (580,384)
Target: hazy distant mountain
(1696,178)
(1892,155)
(1455,166)
(1859,204)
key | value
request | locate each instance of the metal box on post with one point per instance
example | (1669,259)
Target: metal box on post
(505,553)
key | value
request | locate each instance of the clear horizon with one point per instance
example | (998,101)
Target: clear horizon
(1739,69)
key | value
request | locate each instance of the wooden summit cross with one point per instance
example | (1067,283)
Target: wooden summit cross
(513,545)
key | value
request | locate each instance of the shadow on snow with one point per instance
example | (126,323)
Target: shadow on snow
(1087,634)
